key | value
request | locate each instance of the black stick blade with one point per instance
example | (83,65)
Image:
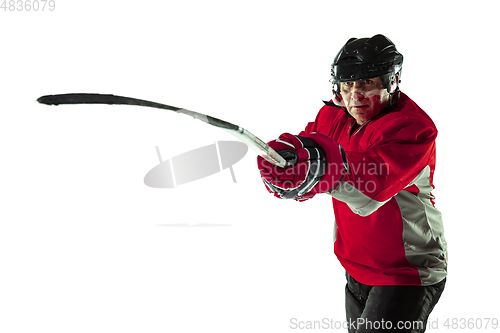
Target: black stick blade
(84,98)
(100,99)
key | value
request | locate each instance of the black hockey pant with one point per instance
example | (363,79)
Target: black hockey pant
(389,308)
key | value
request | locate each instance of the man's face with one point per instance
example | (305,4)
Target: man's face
(364,99)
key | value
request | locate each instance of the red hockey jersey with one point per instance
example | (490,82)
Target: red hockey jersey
(388,231)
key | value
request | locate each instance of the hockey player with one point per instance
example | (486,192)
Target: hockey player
(373,150)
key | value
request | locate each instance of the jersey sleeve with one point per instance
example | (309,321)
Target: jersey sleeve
(394,155)
(391,163)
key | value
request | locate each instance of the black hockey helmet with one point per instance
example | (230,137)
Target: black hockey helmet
(365,58)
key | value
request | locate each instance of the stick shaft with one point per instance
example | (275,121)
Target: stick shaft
(242,134)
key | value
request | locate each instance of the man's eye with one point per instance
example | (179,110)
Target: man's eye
(368,81)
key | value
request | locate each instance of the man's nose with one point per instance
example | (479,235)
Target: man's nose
(357,91)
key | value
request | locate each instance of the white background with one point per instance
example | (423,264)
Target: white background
(85,246)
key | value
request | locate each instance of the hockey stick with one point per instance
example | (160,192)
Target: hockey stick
(242,134)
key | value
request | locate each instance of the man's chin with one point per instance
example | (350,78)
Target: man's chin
(360,119)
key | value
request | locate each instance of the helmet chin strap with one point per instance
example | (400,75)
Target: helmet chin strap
(393,89)
(393,100)
(337,102)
